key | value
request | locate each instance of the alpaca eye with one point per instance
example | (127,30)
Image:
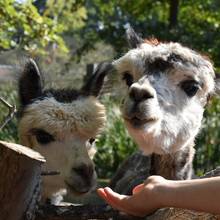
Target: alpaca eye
(128,78)
(190,87)
(91,140)
(42,136)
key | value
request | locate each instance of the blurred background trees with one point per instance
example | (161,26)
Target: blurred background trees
(65,35)
(34,25)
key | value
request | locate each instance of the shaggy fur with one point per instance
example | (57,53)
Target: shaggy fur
(62,126)
(167,87)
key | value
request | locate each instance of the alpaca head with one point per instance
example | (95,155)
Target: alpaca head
(167,87)
(62,126)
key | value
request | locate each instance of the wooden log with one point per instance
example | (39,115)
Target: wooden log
(81,212)
(20,178)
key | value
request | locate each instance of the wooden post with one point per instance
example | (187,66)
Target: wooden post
(20,178)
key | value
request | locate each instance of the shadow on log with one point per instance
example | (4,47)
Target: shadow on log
(84,212)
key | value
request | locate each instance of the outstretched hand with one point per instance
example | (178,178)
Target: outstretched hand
(143,200)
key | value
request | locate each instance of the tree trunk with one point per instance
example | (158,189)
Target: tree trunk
(173,18)
(20,175)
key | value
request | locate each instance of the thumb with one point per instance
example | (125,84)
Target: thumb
(137,188)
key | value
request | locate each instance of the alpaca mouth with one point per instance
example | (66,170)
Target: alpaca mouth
(76,190)
(138,122)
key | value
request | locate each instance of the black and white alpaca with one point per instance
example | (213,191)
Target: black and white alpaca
(62,126)
(166,89)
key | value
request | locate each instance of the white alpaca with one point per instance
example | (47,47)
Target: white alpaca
(167,88)
(62,126)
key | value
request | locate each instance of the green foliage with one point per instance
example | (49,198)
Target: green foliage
(208,141)
(68,14)
(199,26)
(198,23)
(114,145)
(23,26)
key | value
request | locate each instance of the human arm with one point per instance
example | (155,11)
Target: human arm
(157,192)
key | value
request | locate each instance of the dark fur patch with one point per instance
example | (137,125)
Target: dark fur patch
(158,64)
(63,95)
(60,95)
(175,58)
(161,64)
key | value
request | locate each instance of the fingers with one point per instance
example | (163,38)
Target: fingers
(114,199)
(103,195)
(137,188)
(120,202)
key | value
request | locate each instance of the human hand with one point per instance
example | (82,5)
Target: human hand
(145,199)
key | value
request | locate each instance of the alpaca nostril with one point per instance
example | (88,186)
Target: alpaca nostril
(140,94)
(85,171)
(147,95)
(133,92)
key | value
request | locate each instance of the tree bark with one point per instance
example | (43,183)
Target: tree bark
(20,178)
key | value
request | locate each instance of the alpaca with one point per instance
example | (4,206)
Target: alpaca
(62,126)
(166,88)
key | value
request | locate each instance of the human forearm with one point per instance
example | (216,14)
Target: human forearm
(201,195)
(157,192)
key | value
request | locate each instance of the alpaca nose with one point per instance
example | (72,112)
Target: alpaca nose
(140,93)
(84,170)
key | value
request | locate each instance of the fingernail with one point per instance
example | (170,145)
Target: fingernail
(100,189)
(107,189)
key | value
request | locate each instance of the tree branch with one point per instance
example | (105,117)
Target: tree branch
(12,110)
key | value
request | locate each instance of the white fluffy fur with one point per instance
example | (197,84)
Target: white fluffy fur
(175,119)
(71,124)
(85,116)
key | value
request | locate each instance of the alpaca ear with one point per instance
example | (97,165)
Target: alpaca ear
(95,83)
(133,39)
(30,82)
